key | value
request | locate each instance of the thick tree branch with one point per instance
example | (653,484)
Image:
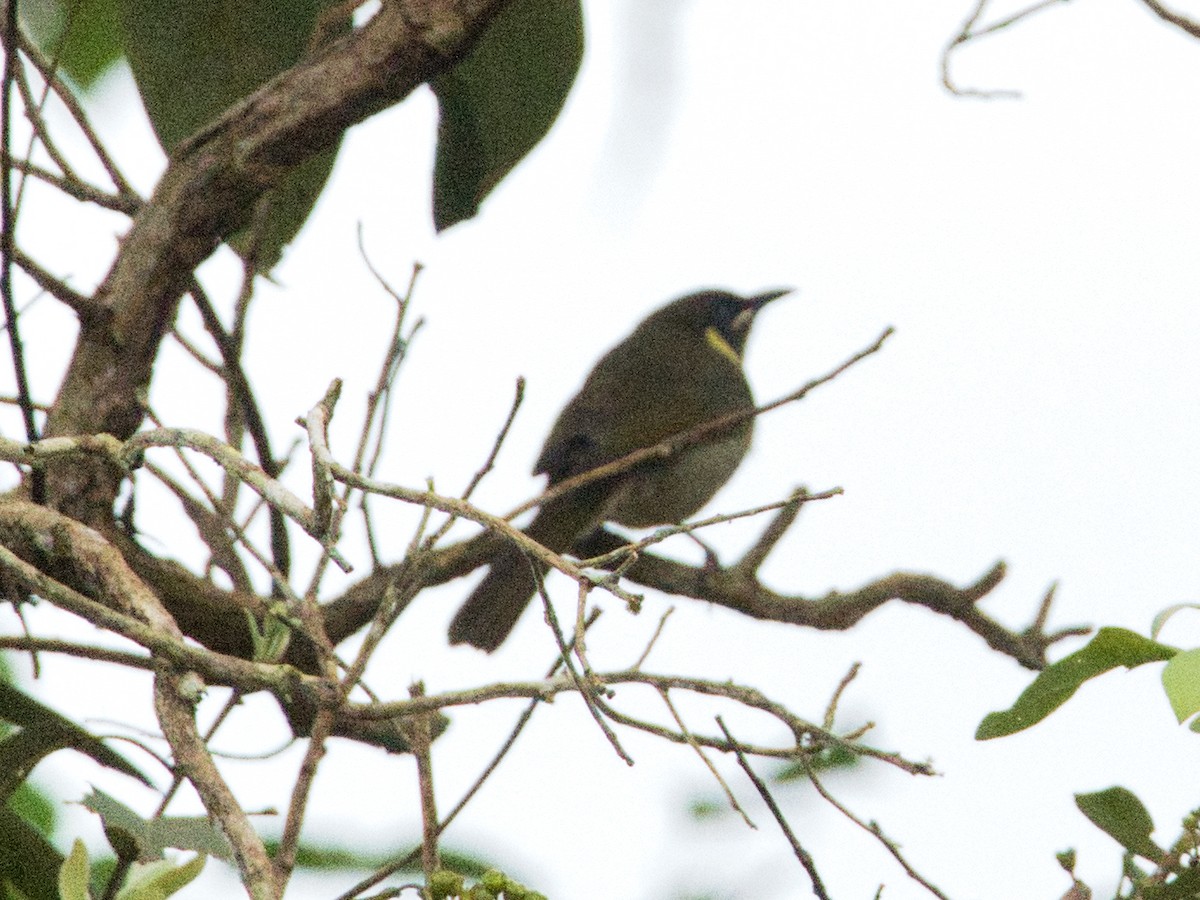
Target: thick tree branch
(209,191)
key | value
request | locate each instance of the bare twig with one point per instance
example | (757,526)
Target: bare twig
(518,397)
(285,857)
(48,72)
(1179,21)
(807,737)
(419,738)
(78,190)
(968,32)
(803,855)
(8,230)
(831,709)
(662,621)
(81,304)
(753,559)
(697,434)
(873,829)
(519,726)
(117,879)
(243,406)
(83,651)
(173,701)
(584,683)
(787,507)
(708,763)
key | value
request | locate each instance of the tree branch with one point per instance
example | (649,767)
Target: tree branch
(209,190)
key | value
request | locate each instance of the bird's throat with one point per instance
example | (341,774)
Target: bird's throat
(722,346)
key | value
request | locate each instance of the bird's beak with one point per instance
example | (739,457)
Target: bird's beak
(751,306)
(758,301)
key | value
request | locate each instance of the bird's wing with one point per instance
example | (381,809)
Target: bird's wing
(572,446)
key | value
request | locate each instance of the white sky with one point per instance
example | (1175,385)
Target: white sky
(1038,404)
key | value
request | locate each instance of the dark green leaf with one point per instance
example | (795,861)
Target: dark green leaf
(44,730)
(1054,685)
(1185,886)
(707,808)
(21,751)
(149,837)
(828,759)
(1181,681)
(193,59)
(329,857)
(501,100)
(27,860)
(1120,815)
(82,36)
(32,805)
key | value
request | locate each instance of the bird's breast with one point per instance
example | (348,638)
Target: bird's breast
(668,491)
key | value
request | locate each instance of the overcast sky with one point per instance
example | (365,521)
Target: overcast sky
(1038,403)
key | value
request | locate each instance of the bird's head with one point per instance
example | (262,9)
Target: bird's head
(720,318)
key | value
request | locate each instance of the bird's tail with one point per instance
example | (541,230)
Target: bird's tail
(492,610)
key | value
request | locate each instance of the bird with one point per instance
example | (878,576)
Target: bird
(679,368)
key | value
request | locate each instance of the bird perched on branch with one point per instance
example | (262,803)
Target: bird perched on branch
(681,367)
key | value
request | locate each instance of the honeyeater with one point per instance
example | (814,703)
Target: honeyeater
(681,367)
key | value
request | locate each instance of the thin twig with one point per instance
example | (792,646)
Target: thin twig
(8,230)
(33,113)
(81,304)
(583,683)
(803,855)
(48,72)
(420,738)
(284,860)
(75,189)
(32,644)
(831,709)
(661,534)
(518,397)
(753,559)
(967,32)
(873,829)
(242,401)
(708,763)
(662,621)
(510,742)
(696,434)
(1174,18)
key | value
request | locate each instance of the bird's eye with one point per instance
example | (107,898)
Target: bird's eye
(726,313)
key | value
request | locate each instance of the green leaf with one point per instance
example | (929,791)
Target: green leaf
(1055,684)
(147,838)
(499,102)
(193,59)
(1181,680)
(1121,815)
(81,35)
(32,805)
(42,732)
(28,862)
(1185,886)
(73,874)
(1161,619)
(159,880)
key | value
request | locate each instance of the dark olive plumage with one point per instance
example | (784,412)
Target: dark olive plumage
(679,368)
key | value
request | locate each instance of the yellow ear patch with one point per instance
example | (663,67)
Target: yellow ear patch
(718,343)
